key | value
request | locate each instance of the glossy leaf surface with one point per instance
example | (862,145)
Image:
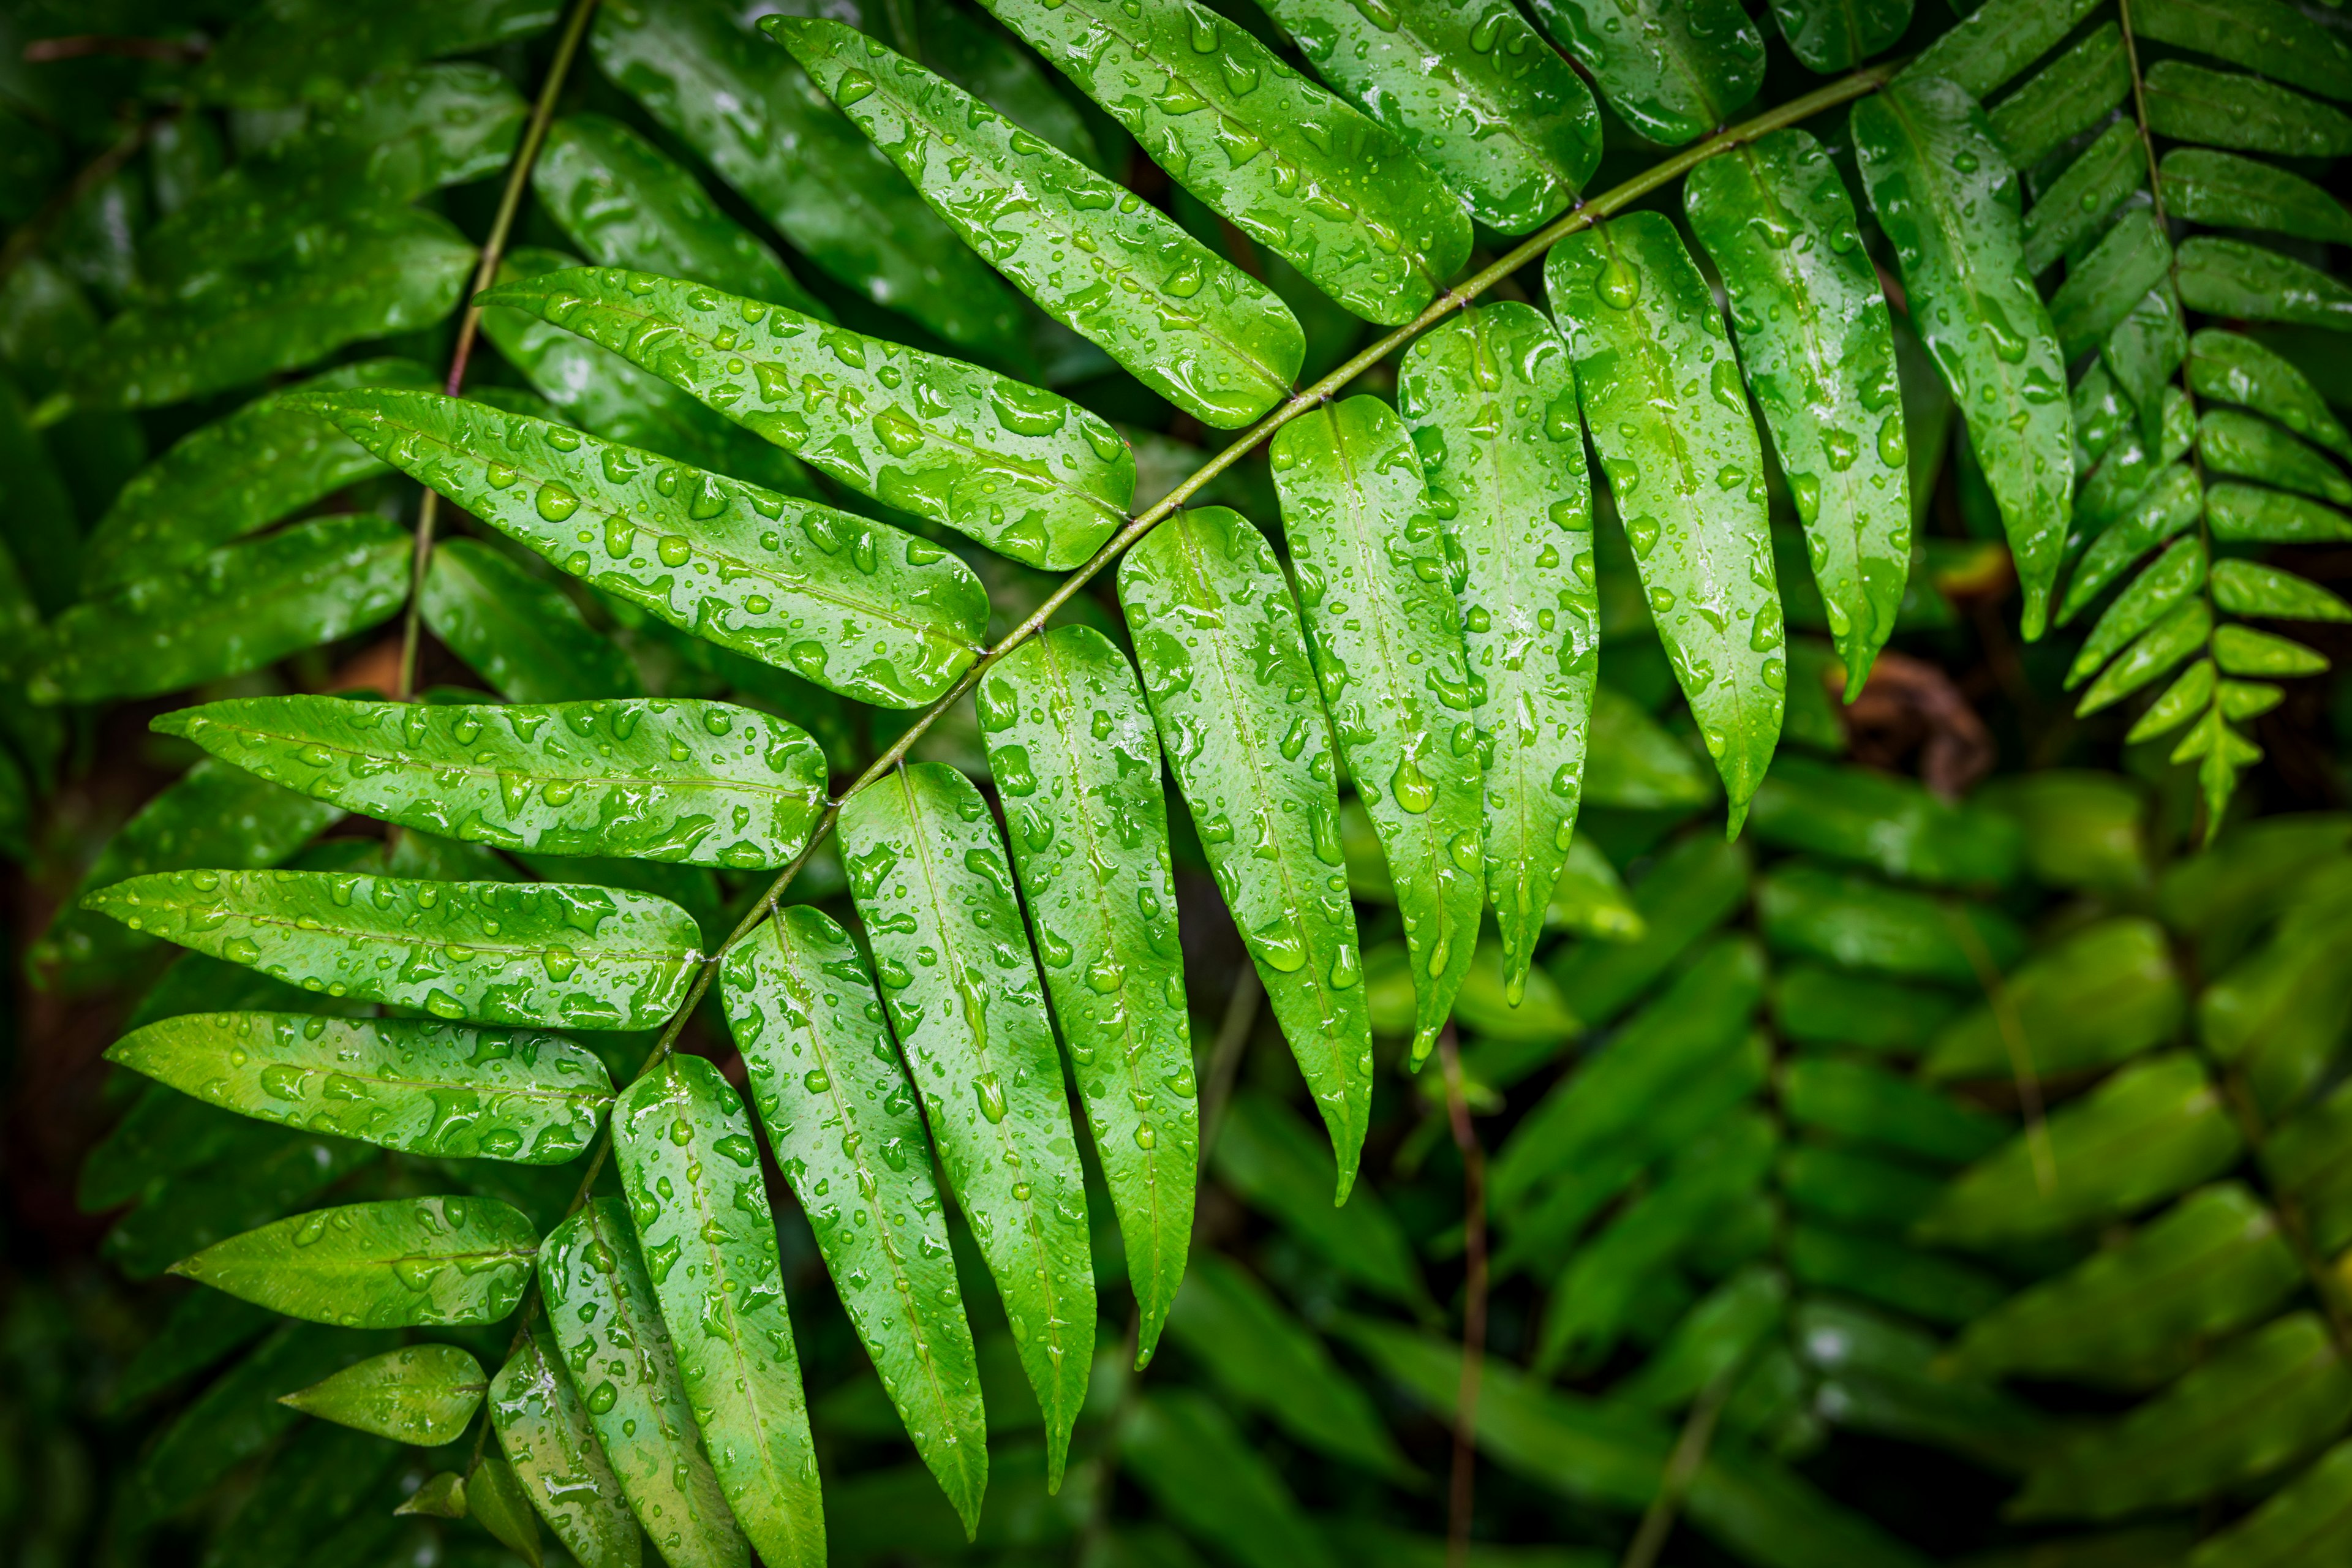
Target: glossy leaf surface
(2222,109)
(543,1429)
(423,1396)
(291,50)
(405,1262)
(521,634)
(2074,206)
(2230,368)
(1994,42)
(2265,36)
(1674,70)
(2232,278)
(2226,191)
(1833,35)
(2067,96)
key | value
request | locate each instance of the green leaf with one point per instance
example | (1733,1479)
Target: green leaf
(2230,277)
(1590,900)
(1846,1188)
(1472,91)
(1813,1006)
(841,1116)
(2257,1406)
(391,140)
(1265,1152)
(2233,442)
(2310,1513)
(1490,399)
(1711,1341)
(202,1328)
(1264,1359)
(705,783)
(2143,352)
(716,88)
(2076,206)
(403,1263)
(1690,889)
(1834,35)
(2248,588)
(374,274)
(1817,344)
(2221,109)
(2230,192)
(704,554)
(2165,508)
(519,632)
(692,1175)
(1855,1102)
(2178,635)
(1187,322)
(1366,551)
(211,816)
(1634,763)
(1379,234)
(1893,826)
(235,477)
(1686,472)
(235,610)
(2264,35)
(1994,42)
(1225,666)
(1947,201)
(1020,470)
(1077,772)
(626,1366)
(305,1490)
(2228,368)
(2103,995)
(2241,650)
(496,1498)
(289,51)
(424,1395)
(1672,71)
(2066,97)
(2154,594)
(626,205)
(2102,288)
(2185,698)
(936,894)
(548,1439)
(254,1175)
(1186,1452)
(2137,1314)
(1922,1285)
(1815,912)
(565,956)
(2241,515)
(423,1087)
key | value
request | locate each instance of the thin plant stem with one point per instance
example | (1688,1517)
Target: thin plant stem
(1226,1055)
(1460,1492)
(1681,1468)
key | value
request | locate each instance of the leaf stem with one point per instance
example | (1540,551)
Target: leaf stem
(1681,1468)
(469,325)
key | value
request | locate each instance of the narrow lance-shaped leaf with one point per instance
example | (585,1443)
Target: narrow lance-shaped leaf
(371,276)
(1025,472)
(1948,201)
(2066,97)
(2265,36)
(228,478)
(692,1175)
(1077,767)
(2232,278)
(544,1431)
(2228,368)
(608,1327)
(520,633)
(773,137)
(2250,588)
(1472,89)
(1663,402)
(1818,347)
(1327,190)
(2102,287)
(2226,191)
(2073,208)
(1833,35)
(707,783)
(291,51)
(405,1262)
(543,953)
(1674,70)
(235,610)
(1185,321)
(2233,442)
(415,1085)
(935,893)
(1225,666)
(626,205)
(1490,399)
(855,606)
(840,1114)
(1995,41)
(424,1395)
(2221,109)
(1369,552)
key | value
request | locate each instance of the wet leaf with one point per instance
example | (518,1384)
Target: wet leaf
(2177,573)
(2178,635)
(2229,191)
(692,1175)
(545,1430)
(788,581)
(520,633)
(2265,36)
(705,783)
(935,891)
(546,953)
(1225,666)
(1893,826)
(1673,69)
(1020,470)
(841,1116)
(1337,195)
(496,1500)
(1946,199)
(235,610)
(2230,278)
(626,205)
(2239,443)
(1817,345)
(2228,368)
(1811,910)
(421,1086)
(401,1263)
(2248,588)
(2221,109)
(1490,399)
(1184,320)
(2165,507)
(289,51)
(1367,548)
(424,1395)
(1669,416)
(1995,41)
(1077,773)
(2077,205)
(2243,514)
(2066,97)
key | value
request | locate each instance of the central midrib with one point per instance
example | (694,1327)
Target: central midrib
(623,955)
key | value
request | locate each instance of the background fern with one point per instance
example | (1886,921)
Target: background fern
(747,899)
